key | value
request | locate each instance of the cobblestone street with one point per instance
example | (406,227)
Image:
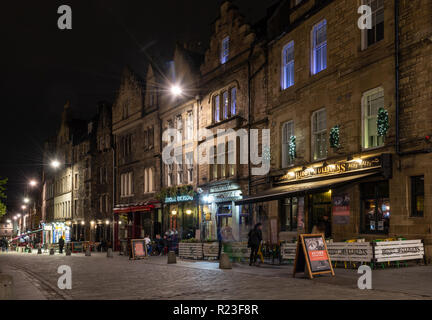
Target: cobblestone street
(98,277)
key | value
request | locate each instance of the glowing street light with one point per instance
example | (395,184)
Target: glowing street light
(19,215)
(8,221)
(15,217)
(33,183)
(176,90)
(26,200)
(23,207)
(55,164)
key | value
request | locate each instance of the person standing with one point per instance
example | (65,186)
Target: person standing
(61,245)
(254,241)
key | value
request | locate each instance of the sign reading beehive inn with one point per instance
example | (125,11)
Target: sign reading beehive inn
(340,167)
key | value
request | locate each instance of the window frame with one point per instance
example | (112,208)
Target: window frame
(413,194)
(285,65)
(225,50)
(364,115)
(285,145)
(315,47)
(315,133)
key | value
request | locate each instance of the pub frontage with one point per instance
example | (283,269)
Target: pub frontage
(134,221)
(350,197)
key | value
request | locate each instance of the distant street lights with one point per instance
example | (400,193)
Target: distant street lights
(26,200)
(176,90)
(33,183)
(55,164)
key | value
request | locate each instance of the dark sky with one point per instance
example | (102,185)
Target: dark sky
(42,66)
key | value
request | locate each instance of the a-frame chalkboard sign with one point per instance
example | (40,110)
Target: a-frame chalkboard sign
(312,256)
(139,249)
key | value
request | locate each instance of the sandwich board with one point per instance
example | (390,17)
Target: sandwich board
(312,256)
(139,249)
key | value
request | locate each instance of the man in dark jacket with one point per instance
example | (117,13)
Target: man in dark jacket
(61,245)
(254,241)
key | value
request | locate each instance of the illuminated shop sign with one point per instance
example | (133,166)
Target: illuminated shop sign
(331,169)
(183,198)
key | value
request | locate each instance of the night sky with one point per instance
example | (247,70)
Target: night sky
(42,67)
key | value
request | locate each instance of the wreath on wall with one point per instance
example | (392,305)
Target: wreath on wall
(292,148)
(334,137)
(382,122)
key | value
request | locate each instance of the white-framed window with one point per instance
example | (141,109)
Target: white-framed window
(319,47)
(225,50)
(221,158)
(287,133)
(190,166)
(376,34)
(233,101)
(287,66)
(170,176)
(126,184)
(372,101)
(319,135)
(148,180)
(179,169)
(225,102)
(189,126)
(216,108)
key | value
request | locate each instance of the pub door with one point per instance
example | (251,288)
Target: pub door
(319,206)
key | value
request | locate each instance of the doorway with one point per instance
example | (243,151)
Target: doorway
(320,205)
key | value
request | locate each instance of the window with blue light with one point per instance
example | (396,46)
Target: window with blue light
(217,108)
(233,101)
(225,50)
(288,66)
(319,47)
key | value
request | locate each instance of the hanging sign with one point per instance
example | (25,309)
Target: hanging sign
(312,256)
(139,249)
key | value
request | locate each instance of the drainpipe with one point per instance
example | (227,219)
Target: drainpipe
(396,14)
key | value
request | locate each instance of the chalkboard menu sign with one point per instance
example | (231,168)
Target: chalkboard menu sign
(312,256)
(139,249)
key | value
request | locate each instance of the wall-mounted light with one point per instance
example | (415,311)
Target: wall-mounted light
(107,222)
(174,212)
(188,212)
(82,223)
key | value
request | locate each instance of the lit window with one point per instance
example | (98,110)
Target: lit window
(319,135)
(233,101)
(319,47)
(225,50)
(372,101)
(287,133)
(288,66)
(225,104)
(217,108)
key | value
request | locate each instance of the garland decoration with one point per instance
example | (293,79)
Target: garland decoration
(334,137)
(382,122)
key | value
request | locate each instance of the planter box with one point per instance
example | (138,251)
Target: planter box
(191,250)
(211,250)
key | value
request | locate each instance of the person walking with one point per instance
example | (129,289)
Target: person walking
(254,241)
(61,244)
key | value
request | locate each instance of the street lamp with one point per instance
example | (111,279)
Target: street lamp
(55,164)
(33,183)
(23,207)
(26,200)
(176,90)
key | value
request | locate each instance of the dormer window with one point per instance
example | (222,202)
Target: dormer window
(225,50)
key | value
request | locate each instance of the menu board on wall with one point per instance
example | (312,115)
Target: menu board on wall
(139,249)
(312,256)
(341,209)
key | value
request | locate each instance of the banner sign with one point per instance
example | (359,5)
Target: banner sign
(341,209)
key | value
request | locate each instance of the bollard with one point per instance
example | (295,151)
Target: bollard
(172,257)
(6,287)
(68,252)
(88,252)
(39,251)
(51,251)
(110,253)
(224,262)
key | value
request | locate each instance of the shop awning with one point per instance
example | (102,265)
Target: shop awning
(304,188)
(137,207)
